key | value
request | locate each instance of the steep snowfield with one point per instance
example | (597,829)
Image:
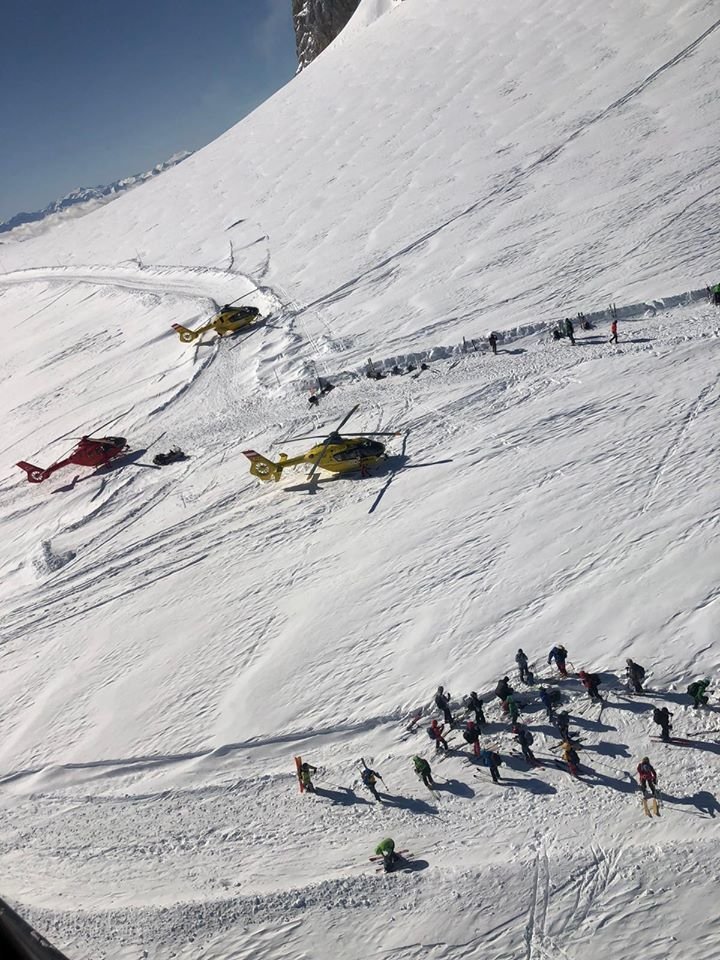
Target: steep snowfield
(171,638)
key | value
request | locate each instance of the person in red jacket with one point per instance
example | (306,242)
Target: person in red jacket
(435,731)
(613,332)
(647,776)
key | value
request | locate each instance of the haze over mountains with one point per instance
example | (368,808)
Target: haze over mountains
(173,637)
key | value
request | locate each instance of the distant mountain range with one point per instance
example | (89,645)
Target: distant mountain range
(101,194)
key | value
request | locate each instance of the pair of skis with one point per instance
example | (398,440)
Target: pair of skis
(647,807)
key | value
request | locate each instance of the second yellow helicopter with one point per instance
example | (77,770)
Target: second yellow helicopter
(336,454)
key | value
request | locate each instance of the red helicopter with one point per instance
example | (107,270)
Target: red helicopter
(90,452)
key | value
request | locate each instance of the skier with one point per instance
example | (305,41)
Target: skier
(492,340)
(471,736)
(546,700)
(716,294)
(570,330)
(370,778)
(386,850)
(522,661)
(435,731)
(559,655)
(635,674)
(503,690)
(697,692)
(492,761)
(661,716)
(647,776)
(424,771)
(562,722)
(591,681)
(474,703)
(442,702)
(569,754)
(525,739)
(613,332)
(513,709)
(307,770)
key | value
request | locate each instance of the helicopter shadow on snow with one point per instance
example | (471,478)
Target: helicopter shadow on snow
(125,460)
(391,466)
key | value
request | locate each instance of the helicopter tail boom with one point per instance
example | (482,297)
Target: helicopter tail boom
(263,468)
(34,474)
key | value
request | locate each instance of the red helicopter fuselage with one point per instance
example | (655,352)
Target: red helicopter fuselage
(90,452)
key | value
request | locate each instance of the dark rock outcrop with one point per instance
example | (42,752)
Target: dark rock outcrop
(317,23)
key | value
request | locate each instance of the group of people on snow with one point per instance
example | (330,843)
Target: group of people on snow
(550,698)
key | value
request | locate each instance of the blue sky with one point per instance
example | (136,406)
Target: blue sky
(91,91)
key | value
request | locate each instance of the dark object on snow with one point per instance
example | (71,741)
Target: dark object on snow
(492,340)
(172,456)
(18,940)
(325,386)
(313,400)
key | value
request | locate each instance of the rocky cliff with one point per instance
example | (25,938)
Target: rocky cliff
(317,23)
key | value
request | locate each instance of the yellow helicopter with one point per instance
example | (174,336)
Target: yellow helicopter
(228,320)
(336,454)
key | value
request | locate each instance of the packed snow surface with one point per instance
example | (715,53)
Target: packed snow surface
(171,638)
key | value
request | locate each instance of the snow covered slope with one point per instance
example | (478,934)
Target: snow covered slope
(172,637)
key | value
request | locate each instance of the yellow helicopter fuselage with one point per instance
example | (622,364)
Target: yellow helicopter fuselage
(350,453)
(227,321)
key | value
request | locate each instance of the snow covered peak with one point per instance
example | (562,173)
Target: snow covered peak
(84,199)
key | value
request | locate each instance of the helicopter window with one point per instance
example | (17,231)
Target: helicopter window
(363,448)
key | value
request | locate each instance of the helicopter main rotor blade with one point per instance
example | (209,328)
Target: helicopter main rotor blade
(345,419)
(319,457)
(373,433)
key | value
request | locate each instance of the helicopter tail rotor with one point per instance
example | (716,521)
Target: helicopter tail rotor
(263,468)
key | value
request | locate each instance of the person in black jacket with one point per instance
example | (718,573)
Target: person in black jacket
(503,691)
(522,661)
(635,674)
(661,716)
(475,704)
(442,702)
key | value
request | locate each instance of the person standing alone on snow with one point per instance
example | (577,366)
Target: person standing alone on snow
(442,702)
(492,340)
(386,850)
(613,332)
